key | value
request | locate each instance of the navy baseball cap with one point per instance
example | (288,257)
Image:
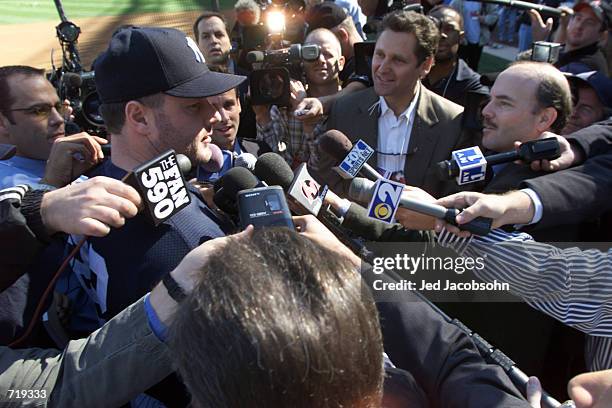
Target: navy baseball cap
(601,84)
(325,15)
(142,61)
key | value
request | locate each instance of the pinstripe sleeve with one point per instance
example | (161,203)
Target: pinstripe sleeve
(571,285)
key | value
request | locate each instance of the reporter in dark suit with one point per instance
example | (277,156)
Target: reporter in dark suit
(410,127)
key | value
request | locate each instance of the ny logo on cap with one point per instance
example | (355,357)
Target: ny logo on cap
(194,47)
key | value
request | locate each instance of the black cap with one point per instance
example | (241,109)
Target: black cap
(142,61)
(325,15)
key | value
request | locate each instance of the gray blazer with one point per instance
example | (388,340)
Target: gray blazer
(436,132)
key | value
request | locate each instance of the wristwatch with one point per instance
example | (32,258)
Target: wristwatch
(174,290)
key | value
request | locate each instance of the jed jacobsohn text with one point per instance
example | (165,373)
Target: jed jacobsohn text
(412,264)
(440,285)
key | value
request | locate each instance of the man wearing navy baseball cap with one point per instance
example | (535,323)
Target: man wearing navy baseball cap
(592,100)
(154,85)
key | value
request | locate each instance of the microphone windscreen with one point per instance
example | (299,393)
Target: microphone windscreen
(238,178)
(228,186)
(255,56)
(72,80)
(335,144)
(360,190)
(216,159)
(274,170)
(183,161)
(246,160)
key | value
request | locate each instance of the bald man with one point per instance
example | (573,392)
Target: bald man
(527,99)
(278,127)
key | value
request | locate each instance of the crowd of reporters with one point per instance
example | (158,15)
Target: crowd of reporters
(275,317)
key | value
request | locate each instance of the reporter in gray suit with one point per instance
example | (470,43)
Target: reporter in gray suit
(410,127)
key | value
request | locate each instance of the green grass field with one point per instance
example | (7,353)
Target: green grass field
(24,11)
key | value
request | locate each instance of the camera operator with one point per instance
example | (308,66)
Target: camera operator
(32,118)
(584,29)
(450,77)
(279,127)
(333,17)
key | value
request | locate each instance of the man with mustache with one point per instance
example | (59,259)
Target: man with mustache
(32,119)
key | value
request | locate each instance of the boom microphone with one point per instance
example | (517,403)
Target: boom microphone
(362,191)
(524,5)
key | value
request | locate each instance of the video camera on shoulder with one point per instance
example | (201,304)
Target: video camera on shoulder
(72,82)
(270,83)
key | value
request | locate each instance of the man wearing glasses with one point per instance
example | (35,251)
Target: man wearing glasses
(32,119)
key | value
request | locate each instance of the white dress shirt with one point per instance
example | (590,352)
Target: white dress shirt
(394,138)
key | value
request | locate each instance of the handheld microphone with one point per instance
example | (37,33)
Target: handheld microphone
(161,185)
(228,186)
(274,170)
(299,185)
(469,165)
(351,160)
(246,160)
(362,190)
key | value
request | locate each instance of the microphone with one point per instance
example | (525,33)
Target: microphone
(351,159)
(228,186)
(300,186)
(72,80)
(524,5)
(161,185)
(246,160)
(469,165)
(362,190)
(216,159)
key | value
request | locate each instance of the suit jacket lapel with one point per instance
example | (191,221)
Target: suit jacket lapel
(367,120)
(422,140)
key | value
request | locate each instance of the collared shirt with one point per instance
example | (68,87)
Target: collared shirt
(285,135)
(458,84)
(394,138)
(21,170)
(571,285)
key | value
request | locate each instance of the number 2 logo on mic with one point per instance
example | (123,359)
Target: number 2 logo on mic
(385,200)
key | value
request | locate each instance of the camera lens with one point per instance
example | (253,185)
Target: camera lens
(271,85)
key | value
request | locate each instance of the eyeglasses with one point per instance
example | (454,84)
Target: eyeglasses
(42,111)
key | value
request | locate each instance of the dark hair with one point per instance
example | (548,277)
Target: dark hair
(282,322)
(6,72)
(114,113)
(550,94)
(425,31)
(208,14)
(552,91)
(441,8)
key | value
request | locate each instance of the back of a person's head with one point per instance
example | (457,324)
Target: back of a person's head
(279,321)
